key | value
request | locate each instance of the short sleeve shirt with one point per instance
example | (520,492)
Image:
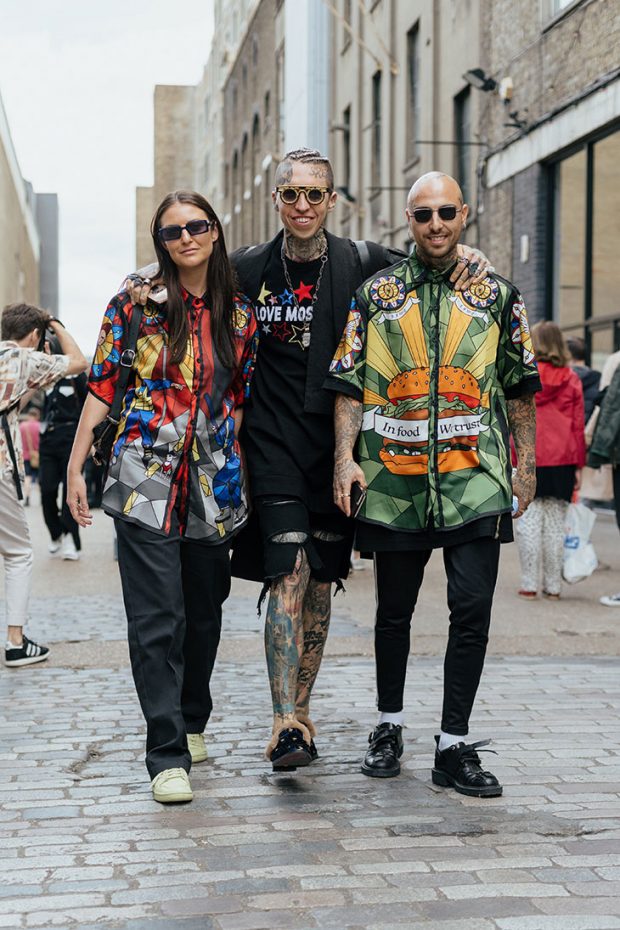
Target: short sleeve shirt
(434,368)
(21,371)
(176,448)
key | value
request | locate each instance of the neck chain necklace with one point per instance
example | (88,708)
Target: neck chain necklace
(305,336)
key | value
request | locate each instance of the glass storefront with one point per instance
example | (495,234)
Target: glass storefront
(586,274)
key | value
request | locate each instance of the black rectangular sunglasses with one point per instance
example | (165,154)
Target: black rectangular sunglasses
(194,228)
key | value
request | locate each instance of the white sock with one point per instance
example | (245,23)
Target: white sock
(449,739)
(396,719)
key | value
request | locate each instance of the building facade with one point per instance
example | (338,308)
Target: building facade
(19,255)
(400,107)
(551,174)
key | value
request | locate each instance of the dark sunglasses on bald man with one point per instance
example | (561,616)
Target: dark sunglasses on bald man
(194,228)
(314,195)
(425,214)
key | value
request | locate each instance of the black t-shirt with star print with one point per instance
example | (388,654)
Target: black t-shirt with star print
(288,450)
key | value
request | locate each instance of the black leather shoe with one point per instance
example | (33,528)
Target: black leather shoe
(291,751)
(459,767)
(386,748)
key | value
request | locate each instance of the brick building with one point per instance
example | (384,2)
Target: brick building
(551,177)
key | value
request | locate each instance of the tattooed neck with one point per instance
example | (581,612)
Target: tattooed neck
(441,263)
(305,250)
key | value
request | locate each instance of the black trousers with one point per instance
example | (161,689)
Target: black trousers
(54,450)
(471,569)
(173,590)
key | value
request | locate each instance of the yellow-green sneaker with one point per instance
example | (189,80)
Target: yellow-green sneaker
(197,748)
(172,787)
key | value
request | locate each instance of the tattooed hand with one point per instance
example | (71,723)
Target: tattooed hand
(346,471)
(522,420)
(472,268)
(347,424)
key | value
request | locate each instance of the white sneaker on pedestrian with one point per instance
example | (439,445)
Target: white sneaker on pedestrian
(68,550)
(610,600)
(54,546)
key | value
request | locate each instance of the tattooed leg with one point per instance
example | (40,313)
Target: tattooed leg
(284,636)
(316,616)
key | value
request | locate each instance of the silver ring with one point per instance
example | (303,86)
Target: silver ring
(464,260)
(146,281)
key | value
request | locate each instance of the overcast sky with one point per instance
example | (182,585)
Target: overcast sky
(77,83)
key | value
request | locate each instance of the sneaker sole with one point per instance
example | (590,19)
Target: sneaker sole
(179,798)
(29,660)
(446,781)
(202,757)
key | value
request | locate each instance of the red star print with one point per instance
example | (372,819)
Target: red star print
(303,292)
(281,331)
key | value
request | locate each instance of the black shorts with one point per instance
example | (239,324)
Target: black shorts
(267,548)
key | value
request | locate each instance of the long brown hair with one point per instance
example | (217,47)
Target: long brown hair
(220,285)
(549,344)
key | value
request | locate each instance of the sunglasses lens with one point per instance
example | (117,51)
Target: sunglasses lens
(197,227)
(289,195)
(168,233)
(447,213)
(422,214)
(315,195)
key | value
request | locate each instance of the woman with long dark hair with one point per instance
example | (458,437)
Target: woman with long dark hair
(174,484)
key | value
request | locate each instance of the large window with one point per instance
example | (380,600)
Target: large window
(586,235)
(376,132)
(462,134)
(413,92)
(346,149)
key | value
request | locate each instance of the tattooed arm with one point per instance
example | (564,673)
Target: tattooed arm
(522,420)
(347,424)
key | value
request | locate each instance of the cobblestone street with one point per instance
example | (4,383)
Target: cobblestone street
(84,845)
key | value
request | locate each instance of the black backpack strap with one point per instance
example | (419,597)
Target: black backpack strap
(11,448)
(363,253)
(126,362)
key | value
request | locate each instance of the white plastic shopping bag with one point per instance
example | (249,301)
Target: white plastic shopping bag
(579,555)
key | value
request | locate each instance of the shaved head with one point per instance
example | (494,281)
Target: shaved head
(436,216)
(435,182)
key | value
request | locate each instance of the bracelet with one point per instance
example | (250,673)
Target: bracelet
(54,319)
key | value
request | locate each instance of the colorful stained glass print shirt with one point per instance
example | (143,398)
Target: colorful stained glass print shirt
(176,447)
(433,367)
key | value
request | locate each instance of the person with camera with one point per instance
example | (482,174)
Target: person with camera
(175,484)
(24,368)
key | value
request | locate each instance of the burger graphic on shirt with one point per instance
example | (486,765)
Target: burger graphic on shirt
(404,421)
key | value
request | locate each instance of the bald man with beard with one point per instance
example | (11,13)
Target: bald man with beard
(430,383)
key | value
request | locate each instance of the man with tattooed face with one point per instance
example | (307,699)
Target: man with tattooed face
(299,543)
(430,383)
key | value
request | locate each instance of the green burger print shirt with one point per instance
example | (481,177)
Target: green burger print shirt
(433,368)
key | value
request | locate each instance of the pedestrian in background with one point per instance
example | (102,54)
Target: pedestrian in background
(175,484)
(560,456)
(29,428)
(61,414)
(23,370)
(588,376)
(605,449)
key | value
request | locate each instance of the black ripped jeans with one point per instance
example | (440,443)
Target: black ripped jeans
(471,569)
